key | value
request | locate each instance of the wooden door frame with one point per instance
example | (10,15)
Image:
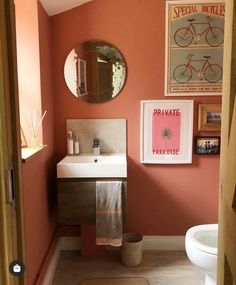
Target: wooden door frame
(226,272)
(11,227)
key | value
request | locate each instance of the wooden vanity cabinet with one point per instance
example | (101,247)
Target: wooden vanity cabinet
(77,200)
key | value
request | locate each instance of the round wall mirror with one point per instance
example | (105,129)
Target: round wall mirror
(95,71)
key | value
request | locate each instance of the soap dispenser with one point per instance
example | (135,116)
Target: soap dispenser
(76,145)
(70,143)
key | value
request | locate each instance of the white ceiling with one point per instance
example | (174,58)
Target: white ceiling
(54,7)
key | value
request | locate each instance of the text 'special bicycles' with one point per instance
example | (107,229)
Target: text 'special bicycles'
(211,72)
(214,35)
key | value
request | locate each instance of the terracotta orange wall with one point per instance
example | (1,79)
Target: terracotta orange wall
(162,199)
(39,172)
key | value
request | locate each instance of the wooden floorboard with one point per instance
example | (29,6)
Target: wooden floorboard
(160,268)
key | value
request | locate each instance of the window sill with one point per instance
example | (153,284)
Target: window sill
(29,152)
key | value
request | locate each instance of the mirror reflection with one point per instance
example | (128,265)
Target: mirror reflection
(95,71)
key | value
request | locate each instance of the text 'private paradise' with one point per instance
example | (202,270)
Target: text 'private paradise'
(166,112)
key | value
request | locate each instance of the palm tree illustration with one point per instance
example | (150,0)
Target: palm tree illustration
(166,135)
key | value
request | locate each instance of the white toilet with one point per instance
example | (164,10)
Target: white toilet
(201,248)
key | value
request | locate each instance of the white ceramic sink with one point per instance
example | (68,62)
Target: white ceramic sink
(88,165)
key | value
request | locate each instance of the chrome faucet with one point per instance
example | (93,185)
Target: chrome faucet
(96,147)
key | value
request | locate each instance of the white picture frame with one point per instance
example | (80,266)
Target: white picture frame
(194,58)
(166,138)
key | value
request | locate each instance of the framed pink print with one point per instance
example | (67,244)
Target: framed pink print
(166,131)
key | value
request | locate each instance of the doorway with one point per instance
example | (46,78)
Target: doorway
(11,210)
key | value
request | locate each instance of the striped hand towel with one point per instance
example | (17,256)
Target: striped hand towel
(109,213)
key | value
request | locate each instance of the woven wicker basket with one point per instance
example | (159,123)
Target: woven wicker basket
(131,249)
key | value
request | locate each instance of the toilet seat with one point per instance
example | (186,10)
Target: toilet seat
(201,249)
(201,238)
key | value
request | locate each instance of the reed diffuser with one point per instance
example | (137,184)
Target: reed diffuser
(35,121)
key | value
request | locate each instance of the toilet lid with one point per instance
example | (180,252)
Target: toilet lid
(204,238)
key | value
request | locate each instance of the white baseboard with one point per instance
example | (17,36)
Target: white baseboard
(64,243)
(149,243)
(74,243)
(163,243)
(52,266)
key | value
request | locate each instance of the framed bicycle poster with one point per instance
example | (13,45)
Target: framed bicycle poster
(166,131)
(194,47)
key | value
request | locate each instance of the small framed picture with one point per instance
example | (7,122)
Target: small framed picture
(209,117)
(207,145)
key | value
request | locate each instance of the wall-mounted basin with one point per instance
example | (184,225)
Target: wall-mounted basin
(89,166)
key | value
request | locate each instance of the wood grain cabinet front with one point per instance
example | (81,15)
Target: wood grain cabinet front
(77,200)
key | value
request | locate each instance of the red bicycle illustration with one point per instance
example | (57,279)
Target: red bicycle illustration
(211,72)
(184,36)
